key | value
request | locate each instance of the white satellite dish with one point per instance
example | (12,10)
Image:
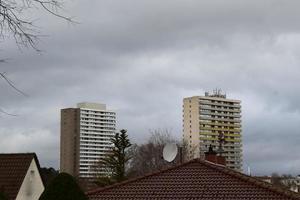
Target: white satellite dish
(169,152)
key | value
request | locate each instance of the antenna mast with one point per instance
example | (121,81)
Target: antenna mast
(221,140)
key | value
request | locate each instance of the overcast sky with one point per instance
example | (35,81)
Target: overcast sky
(142,58)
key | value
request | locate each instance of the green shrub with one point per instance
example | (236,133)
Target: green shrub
(3,196)
(63,187)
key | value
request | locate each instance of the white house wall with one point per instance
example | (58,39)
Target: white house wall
(32,186)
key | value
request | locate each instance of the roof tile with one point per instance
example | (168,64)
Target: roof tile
(196,179)
(13,168)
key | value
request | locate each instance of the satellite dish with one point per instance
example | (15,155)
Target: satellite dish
(169,152)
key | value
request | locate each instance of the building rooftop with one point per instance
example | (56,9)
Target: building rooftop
(13,168)
(196,179)
(89,105)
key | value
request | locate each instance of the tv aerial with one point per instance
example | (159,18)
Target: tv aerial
(222,141)
(170,152)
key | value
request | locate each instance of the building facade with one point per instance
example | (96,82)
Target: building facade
(85,138)
(209,119)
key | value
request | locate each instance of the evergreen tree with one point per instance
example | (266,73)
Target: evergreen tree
(63,187)
(116,159)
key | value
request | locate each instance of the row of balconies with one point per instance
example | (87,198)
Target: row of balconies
(96,142)
(104,140)
(89,161)
(207,107)
(237,125)
(84,129)
(98,120)
(227,104)
(93,127)
(216,139)
(97,112)
(87,117)
(100,123)
(90,128)
(97,132)
(84,154)
(94,145)
(101,143)
(90,125)
(94,148)
(94,151)
(219,114)
(90,158)
(219,119)
(86,139)
(91,155)
(238,130)
(227,146)
(97,135)
(216,135)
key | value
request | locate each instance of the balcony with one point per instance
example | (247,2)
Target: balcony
(219,114)
(221,129)
(220,119)
(204,102)
(220,109)
(220,124)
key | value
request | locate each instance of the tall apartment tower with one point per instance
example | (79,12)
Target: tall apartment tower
(85,137)
(208,118)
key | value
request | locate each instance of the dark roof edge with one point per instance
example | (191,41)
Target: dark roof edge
(39,169)
(34,156)
(218,167)
(254,181)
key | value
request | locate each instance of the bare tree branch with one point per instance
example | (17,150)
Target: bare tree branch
(2,75)
(4,112)
(23,30)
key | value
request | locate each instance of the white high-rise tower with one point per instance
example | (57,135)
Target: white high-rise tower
(85,138)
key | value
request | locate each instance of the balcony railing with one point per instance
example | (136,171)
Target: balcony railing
(219,104)
(220,119)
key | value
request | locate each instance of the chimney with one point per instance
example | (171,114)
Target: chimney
(212,156)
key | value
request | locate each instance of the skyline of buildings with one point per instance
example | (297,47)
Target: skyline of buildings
(209,118)
(85,137)
(86,131)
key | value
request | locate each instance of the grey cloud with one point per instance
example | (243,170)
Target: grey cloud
(143,57)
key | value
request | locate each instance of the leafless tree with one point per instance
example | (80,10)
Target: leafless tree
(283,181)
(148,157)
(13,19)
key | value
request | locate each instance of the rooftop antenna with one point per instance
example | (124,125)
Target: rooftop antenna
(249,170)
(221,139)
(170,152)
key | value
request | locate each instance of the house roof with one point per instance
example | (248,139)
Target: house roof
(13,168)
(196,179)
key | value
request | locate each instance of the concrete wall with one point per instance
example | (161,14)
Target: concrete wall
(191,126)
(69,139)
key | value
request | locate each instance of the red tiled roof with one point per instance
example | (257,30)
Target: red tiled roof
(13,168)
(195,179)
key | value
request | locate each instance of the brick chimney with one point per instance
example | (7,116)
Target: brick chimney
(212,156)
